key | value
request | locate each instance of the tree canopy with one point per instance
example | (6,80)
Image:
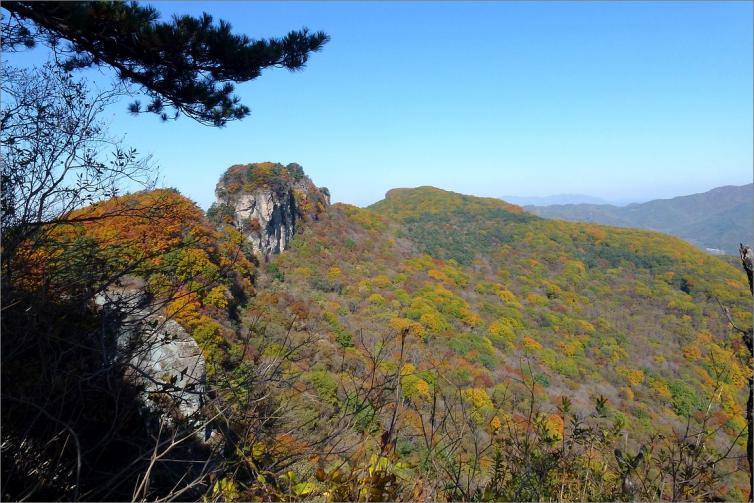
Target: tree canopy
(188,64)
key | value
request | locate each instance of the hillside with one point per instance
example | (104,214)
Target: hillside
(719,219)
(494,300)
(434,346)
(121,320)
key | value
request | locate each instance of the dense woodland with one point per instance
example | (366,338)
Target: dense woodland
(433,346)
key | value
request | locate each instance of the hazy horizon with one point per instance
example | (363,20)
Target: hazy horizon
(599,200)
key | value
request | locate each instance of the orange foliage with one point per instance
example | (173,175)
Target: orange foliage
(531,344)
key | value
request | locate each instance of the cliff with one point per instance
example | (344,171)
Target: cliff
(161,357)
(267,202)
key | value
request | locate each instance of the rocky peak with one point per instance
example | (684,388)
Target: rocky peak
(267,202)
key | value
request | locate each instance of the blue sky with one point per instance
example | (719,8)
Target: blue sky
(620,100)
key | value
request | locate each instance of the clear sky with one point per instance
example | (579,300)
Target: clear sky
(619,100)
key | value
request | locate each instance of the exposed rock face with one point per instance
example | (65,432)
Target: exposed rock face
(162,358)
(268,219)
(267,202)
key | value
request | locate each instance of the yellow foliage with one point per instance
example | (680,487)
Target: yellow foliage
(304,272)
(408,369)
(571,347)
(531,344)
(217,297)
(495,423)
(660,388)
(507,296)
(633,376)
(413,386)
(363,217)
(585,327)
(574,267)
(192,262)
(376,299)
(501,329)
(704,337)
(617,354)
(478,398)
(225,489)
(401,324)
(438,275)
(184,309)
(470,317)
(555,426)
(334,273)
(536,299)
(422,387)
(692,352)
(381,281)
(432,321)
(738,423)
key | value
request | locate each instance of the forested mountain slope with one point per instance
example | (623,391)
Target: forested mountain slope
(434,346)
(719,219)
(494,299)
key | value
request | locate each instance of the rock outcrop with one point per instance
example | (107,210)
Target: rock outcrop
(161,358)
(267,202)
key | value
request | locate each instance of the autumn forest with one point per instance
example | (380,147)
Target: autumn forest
(432,346)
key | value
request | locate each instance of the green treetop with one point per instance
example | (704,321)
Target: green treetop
(188,64)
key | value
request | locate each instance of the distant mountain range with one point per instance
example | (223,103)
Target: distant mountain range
(554,199)
(717,220)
